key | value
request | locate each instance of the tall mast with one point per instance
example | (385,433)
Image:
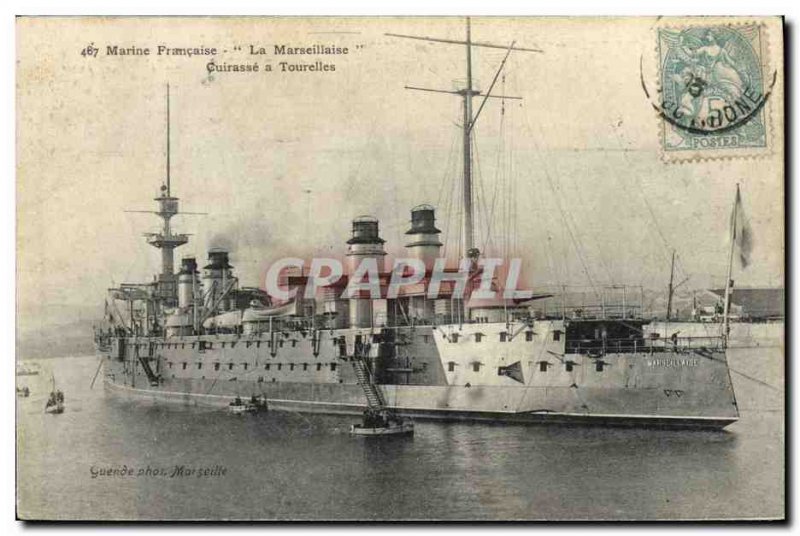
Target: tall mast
(168,151)
(468,238)
(167,240)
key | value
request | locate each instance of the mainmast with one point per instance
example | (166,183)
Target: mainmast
(468,238)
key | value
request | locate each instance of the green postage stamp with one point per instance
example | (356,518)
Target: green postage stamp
(715,90)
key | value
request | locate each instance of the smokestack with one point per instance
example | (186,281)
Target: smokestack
(423,237)
(365,243)
(217,275)
(188,265)
(218,260)
(187,278)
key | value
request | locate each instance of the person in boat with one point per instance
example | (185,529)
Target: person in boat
(374,419)
(674,338)
(369,418)
(59,396)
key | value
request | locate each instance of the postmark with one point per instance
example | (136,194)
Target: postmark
(713,91)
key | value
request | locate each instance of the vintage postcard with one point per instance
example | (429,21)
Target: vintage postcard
(400,268)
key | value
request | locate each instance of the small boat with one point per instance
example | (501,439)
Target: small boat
(381,423)
(24,392)
(256,404)
(30,369)
(237,407)
(55,404)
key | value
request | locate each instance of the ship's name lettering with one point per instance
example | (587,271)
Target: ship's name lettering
(673,363)
(315,50)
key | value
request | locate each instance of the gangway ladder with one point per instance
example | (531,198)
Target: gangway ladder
(148,370)
(374,396)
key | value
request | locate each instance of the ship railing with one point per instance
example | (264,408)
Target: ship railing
(687,343)
(595,346)
(589,302)
(596,312)
(642,345)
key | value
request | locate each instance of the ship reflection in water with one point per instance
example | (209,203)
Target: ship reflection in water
(200,463)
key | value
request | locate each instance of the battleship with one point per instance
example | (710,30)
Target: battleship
(198,337)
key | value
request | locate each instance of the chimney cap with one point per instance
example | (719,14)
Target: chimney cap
(366,230)
(423,220)
(218,258)
(188,265)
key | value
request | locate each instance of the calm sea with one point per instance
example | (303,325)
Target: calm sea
(194,463)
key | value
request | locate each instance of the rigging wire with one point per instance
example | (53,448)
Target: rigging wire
(575,242)
(499,168)
(479,179)
(650,211)
(514,199)
(449,201)
(447,168)
(590,229)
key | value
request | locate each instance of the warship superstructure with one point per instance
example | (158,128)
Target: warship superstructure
(196,336)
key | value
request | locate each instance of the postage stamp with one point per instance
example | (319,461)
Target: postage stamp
(715,89)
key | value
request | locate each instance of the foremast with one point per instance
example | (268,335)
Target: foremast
(165,292)
(166,240)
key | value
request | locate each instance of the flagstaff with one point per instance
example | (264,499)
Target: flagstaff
(740,239)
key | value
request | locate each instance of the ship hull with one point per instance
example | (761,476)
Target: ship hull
(472,372)
(343,400)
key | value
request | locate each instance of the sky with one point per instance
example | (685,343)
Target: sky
(282,162)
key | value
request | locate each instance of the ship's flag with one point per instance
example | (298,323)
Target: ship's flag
(741,232)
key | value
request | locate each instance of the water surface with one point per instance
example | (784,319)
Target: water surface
(283,466)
